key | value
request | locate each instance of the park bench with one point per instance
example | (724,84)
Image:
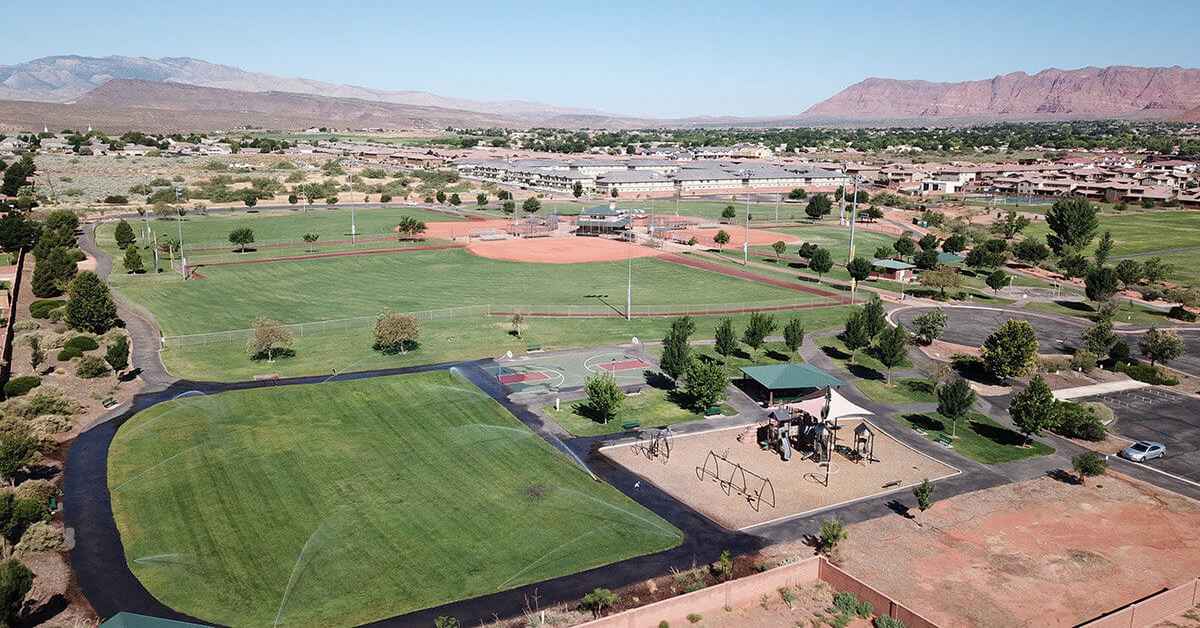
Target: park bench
(533,348)
(712,411)
(630,425)
(945,440)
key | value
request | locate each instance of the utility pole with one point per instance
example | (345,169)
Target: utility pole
(853,218)
(629,292)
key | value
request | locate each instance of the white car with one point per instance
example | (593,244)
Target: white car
(1144,451)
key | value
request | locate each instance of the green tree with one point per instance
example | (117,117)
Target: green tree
(508,207)
(729,213)
(722,238)
(929,326)
(757,329)
(37,355)
(577,189)
(1155,270)
(409,228)
(1161,345)
(1129,271)
(924,494)
(117,354)
(855,333)
(891,349)
(18,449)
(874,316)
(793,334)
(818,205)
(1011,350)
(52,273)
(1101,284)
(396,333)
(954,243)
(1032,409)
(310,241)
(269,336)
(832,534)
(124,235)
(1104,249)
(1088,464)
(998,280)
(928,242)
(780,248)
(90,306)
(133,261)
(250,198)
(1031,252)
(455,199)
(440,196)
(706,383)
(797,194)
(16,580)
(676,352)
(726,338)
(905,246)
(859,269)
(1073,264)
(17,231)
(990,254)
(1072,223)
(531,205)
(17,176)
(821,262)
(598,600)
(941,278)
(1010,225)
(604,396)
(241,237)
(1099,338)
(481,199)
(955,399)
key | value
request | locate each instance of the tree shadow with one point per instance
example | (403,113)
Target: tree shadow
(276,354)
(655,379)
(971,368)
(925,422)
(778,356)
(1063,476)
(919,386)
(681,398)
(997,434)
(1076,306)
(864,372)
(899,508)
(45,612)
(835,353)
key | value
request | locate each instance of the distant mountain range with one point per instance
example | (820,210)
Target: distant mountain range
(180,93)
(1112,92)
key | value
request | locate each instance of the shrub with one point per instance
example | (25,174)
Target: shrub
(116,199)
(91,367)
(1075,420)
(66,355)
(43,428)
(1147,373)
(833,532)
(694,618)
(117,354)
(82,343)
(787,595)
(598,600)
(1181,313)
(38,490)
(42,307)
(1103,413)
(888,622)
(1088,464)
(18,386)
(15,582)
(42,402)
(396,333)
(40,537)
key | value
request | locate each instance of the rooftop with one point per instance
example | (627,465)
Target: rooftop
(790,376)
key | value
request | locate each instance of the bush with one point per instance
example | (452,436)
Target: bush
(396,333)
(833,532)
(66,355)
(40,537)
(42,307)
(82,343)
(18,386)
(1146,373)
(1075,420)
(888,622)
(116,199)
(694,618)
(1103,413)
(91,367)
(42,402)
(1181,313)
(849,604)
(39,490)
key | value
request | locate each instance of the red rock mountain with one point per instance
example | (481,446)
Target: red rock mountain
(1112,92)
(1191,116)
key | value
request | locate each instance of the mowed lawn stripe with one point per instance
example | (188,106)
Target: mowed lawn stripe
(231,297)
(346,502)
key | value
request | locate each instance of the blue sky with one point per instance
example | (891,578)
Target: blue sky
(653,58)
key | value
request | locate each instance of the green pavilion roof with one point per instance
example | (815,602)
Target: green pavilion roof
(891,264)
(790,376)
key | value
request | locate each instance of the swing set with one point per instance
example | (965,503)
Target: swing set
(732,477)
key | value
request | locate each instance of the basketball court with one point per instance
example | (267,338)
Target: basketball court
(536,374)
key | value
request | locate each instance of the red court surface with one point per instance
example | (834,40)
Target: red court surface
(561,250)
(623,365)
(517,378)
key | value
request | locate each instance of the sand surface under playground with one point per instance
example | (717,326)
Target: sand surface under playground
(978,559)
(560,250)
(737,235)
(798,484)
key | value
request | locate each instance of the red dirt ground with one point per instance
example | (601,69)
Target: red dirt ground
(1036,553)
(758,237)
(741,274)
(458,229)
(568,250)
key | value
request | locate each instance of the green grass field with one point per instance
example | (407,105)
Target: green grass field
(302,291)
(347,502)
(273,225)
(653,407)
(1171,235)
(698,208)
(978,437)
(444,341)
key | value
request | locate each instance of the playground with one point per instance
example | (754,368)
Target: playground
(726,475)
(536,374)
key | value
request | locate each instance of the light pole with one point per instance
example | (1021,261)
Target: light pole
(853,218)
(629,291)
(746,230)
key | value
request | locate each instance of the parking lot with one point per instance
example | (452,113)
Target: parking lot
(1162,416)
